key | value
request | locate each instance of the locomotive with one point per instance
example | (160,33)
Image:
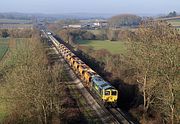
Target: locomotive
(103,89)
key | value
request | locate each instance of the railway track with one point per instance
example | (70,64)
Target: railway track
(116,112)
(109,116)
(105,117)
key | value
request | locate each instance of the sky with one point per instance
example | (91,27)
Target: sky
(90,6)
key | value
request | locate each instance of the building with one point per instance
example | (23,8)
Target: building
(74,26)
(100,23)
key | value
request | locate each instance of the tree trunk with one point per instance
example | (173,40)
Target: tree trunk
(172,103)
(45,116)
(144,92)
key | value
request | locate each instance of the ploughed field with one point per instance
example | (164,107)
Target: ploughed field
(115,47)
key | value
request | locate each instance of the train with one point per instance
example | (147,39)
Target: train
(103,89)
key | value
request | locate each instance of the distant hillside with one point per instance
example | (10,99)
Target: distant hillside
(170,18)
(18,16)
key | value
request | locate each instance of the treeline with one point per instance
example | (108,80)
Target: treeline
(155,55)
(33,90)
(73,35)
(19,16)
(124,20)
(147,77)
(171,14)
(17,33)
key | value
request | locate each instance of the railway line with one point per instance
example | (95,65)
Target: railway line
(105,117)
(111,115)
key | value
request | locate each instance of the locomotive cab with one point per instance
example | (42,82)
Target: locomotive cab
(110,95)
(105,90)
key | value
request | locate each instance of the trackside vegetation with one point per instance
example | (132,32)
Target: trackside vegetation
(34,87)
(155,53)
(31,91)
(147,76)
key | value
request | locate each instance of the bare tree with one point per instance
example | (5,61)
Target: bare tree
(34,90)
(155,51)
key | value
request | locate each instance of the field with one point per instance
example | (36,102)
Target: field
(13,21)
(175,22)
(5,44)
(3,47)
(114,47)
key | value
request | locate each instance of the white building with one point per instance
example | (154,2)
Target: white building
(74,26)
(100,23)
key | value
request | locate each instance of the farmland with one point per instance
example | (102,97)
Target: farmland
(114,47)
(13,24)
(9,44)
(175,23)
(13,21)
(3,47)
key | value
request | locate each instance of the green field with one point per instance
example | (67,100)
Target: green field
(114,47)
(3,110)
(3,47)
(175,22)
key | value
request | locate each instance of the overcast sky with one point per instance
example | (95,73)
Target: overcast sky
(90,6)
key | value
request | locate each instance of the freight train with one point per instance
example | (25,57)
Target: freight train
(103,89)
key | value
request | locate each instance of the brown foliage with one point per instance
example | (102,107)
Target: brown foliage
(155,54)
(18,33)
(34,91)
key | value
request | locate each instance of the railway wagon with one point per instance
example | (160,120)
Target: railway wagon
(106,92)
(78,63)
(82,68)
(69,56)
(73,60)
(89,74)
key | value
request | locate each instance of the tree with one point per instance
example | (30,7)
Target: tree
(172,14)
(155,51)
(37,92)
(124,20)
(112,35)
(5,34)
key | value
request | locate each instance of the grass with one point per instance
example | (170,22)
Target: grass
(175,22)
(178,29)
(3,47)
(3,110)
(115,47)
